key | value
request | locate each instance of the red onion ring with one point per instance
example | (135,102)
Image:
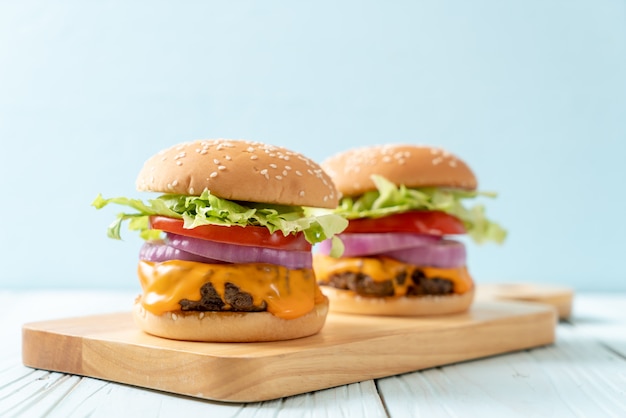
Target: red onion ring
(444,254)
(233,253)
(362,244)
(158,251)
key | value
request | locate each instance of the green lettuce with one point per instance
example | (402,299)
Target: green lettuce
(389,199)
(209,209)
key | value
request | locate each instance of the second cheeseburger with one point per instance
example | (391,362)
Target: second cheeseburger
(227,255)
(403,203)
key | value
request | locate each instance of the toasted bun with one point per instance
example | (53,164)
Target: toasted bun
(409,165)
(346,301)
(239,170)
(230,326)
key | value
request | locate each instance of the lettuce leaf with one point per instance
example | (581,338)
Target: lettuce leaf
(209,209)
(389,199)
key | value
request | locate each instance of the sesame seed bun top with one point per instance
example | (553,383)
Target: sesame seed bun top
(238,170)
(408,165)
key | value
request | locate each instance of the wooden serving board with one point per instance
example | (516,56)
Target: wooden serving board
(559,296)
(349,349)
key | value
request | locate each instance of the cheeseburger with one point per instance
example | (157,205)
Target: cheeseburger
(403,203)
(227,253)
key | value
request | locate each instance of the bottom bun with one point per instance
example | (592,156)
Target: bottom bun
(347,301)
(230,326)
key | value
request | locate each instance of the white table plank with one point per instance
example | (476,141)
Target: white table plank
(493,387)
(578,376)
(502,386)
(602,317)
(39,393)
(358,400)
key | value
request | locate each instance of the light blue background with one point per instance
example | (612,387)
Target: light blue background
(532,94)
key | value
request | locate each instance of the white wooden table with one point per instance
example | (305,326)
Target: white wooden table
(582,375)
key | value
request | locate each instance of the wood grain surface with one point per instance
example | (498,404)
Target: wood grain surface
(349,349)
(559,296)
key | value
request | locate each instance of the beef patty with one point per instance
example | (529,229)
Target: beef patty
(235,300)
(364,285)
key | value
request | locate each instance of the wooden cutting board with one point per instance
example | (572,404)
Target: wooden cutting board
(349,349)
(559,296)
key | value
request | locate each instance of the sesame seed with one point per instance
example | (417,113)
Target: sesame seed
(452,163)
(254,157)
(301,193)
(216,161)
(386,159)
(287,167)
(250,149)
(221,167)
(284,172)
(179,163)
(273,165)
(203,152)
(213,174)
(298,173)
(264,171)
(174,317)
(279,177)
(228,158)
(191,190)
(175,183)
(437,160)
(201,315)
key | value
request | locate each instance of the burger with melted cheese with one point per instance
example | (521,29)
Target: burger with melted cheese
(404,202)
(227,255)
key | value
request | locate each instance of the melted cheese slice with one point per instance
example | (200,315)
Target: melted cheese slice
(288,293)
(381,269)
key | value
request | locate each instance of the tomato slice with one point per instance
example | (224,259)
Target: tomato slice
(421,222)
(256,236)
